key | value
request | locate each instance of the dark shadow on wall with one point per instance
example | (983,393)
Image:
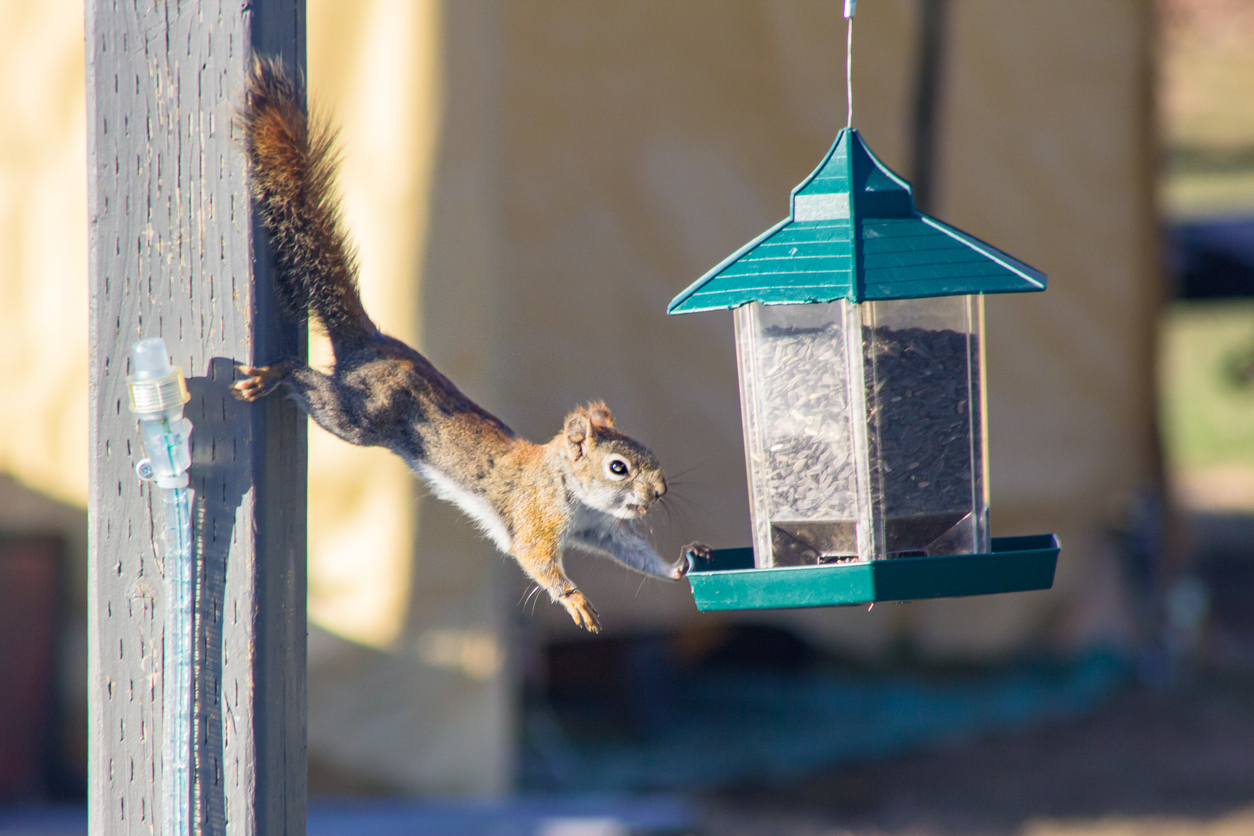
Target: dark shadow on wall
(43,567)
(220,485)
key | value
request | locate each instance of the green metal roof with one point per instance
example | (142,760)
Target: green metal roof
(854,234)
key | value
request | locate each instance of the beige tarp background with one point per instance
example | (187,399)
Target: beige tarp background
(644,142)
(529,184)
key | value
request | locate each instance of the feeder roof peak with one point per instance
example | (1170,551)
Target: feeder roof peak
(854,233)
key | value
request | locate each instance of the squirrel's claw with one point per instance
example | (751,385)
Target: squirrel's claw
(581,611)
(258,383)
(688,555)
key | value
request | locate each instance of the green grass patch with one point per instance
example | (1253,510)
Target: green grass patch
(1207,384)
(1193,194)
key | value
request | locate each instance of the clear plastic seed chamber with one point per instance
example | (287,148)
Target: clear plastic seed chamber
(860,347)
(864,429)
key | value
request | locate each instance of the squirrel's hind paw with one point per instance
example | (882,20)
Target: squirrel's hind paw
(581,611)
(258,383)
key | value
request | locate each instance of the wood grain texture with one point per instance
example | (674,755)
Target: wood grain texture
(174,252)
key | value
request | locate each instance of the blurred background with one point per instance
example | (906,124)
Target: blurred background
(529,183)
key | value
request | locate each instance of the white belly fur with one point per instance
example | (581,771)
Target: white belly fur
(474,506)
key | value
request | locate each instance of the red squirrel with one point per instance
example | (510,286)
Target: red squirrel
(586,488)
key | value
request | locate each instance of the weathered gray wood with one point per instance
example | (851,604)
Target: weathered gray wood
(174,253)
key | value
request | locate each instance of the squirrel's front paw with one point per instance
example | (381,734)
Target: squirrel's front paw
(260,381)
(688,554)
(580,609)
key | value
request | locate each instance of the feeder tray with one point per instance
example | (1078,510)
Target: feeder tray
(729,581)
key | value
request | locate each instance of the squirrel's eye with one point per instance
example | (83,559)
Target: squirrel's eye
(617,468)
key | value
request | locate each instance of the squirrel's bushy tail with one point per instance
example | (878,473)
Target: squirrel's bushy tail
(292,169)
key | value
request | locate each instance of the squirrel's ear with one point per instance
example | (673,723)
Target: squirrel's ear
(578,432)
(600,415)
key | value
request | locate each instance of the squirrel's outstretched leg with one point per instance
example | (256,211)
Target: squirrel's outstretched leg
(619,541)
(540,563)
(320,396)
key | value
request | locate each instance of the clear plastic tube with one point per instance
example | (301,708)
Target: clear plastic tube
(176,679)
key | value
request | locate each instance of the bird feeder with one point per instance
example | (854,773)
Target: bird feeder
(860,345)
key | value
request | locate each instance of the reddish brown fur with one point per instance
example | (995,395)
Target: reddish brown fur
(293,170)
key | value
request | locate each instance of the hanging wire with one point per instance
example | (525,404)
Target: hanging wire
(850,6)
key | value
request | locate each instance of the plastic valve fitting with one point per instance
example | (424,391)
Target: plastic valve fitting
(158,392)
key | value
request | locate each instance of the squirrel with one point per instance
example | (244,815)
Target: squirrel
(586,488)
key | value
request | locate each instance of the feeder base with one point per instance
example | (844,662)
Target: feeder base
(728,580)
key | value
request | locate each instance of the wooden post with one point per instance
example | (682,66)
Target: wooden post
(175,252)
